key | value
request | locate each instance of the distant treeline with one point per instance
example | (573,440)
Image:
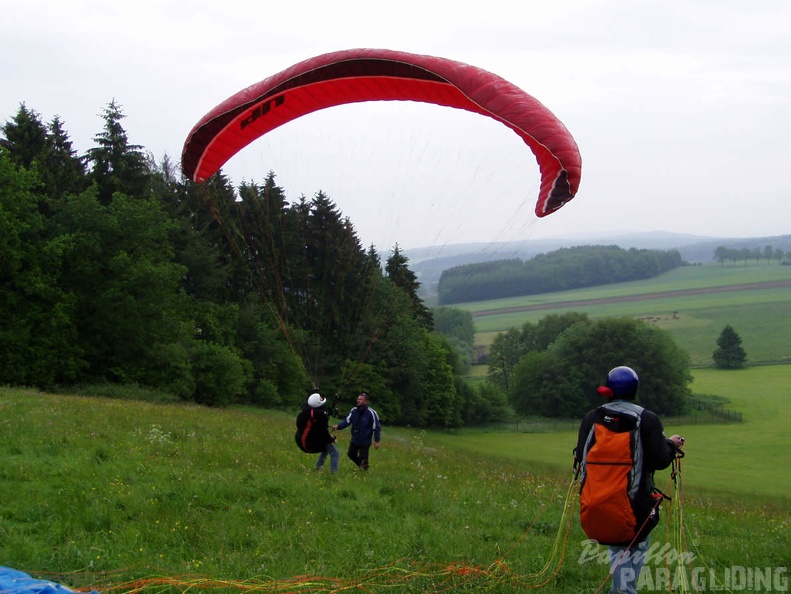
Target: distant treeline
(560,270)
(726,254)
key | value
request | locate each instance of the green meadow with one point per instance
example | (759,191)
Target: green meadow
(762,317)
(747,458)
(121,495)
(126,496)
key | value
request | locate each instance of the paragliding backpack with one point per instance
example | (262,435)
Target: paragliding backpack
(307,438)
(613,510)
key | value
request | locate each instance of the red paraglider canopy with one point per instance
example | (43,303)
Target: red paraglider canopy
(359,75)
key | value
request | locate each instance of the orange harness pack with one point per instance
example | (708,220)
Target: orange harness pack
(613,511)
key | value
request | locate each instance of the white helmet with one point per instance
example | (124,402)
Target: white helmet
(316,400)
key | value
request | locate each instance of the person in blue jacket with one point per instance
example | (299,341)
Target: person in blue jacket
(366,428)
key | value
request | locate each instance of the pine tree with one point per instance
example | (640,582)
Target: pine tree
(48,151)
(118,166)
(729,353)
(25,137)
(397,270)
(63,172)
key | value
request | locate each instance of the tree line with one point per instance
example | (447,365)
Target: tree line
(114,269)
(552,368)
(560,270)
(768,253)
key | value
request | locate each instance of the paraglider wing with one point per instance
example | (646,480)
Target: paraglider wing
(13,581)
(359,75)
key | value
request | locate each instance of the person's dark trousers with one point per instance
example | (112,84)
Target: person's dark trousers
(359,455)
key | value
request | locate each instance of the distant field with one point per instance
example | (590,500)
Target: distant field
(761,316)
(747,458)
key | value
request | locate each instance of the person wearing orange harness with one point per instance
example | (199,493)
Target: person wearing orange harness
(618,505)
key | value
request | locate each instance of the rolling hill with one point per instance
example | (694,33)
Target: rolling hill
(429,262)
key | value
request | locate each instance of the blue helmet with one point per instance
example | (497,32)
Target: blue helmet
(623,382)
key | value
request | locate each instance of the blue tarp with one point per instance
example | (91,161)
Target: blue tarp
(13,581)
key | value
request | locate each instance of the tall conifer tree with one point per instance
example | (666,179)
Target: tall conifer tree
(118,165)
(397,270)
(729,353)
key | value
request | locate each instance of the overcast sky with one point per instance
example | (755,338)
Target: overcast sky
(681,108)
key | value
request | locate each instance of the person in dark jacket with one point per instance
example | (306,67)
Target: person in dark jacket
(620,390)
(313,435)
(366,428)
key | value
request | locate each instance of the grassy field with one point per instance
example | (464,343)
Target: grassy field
(128,496)
(762,317)
(747,458)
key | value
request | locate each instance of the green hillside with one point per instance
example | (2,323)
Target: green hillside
(761,316)
(125,496)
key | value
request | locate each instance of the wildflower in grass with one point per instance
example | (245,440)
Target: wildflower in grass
(158,437)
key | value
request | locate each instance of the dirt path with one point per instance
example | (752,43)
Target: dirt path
(640,297)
